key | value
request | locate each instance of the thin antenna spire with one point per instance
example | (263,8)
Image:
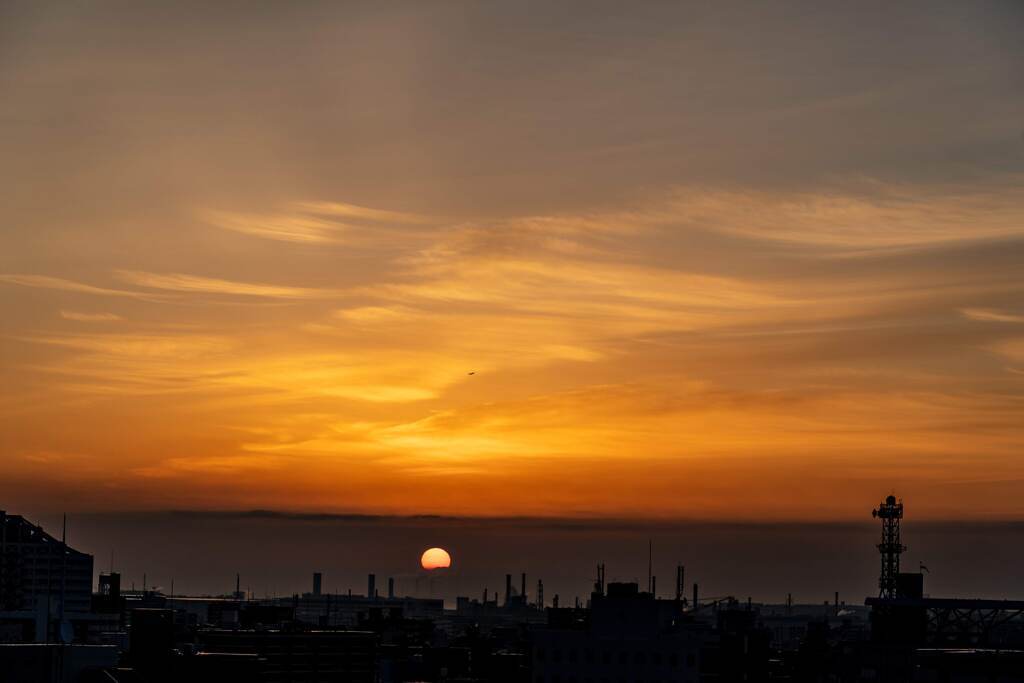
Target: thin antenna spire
(650,562)
(63,574)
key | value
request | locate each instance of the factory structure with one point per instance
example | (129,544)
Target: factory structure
(55,627)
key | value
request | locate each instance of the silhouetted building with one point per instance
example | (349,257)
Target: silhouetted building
(108,599)
(303,657)
(330,610)
(152,640)
(37,569)
(41,580)
(52,663)
(628,636)
(742,649)
(968,665)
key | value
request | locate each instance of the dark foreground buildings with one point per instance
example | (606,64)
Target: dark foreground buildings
(53,627)
(45,586)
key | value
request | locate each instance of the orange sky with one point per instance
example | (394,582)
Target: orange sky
(739,262)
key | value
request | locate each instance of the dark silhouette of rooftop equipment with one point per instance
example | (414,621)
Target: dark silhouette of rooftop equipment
(890,512)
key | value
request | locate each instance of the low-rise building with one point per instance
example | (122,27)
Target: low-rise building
(626,635)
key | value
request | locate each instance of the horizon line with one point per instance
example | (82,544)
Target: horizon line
(572,520)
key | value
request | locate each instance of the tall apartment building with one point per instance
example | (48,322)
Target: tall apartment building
(40,573)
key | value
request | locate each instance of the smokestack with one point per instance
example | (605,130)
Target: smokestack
(694,596)
(540,594)
(508,587)
(317,583)
(654,586)
(680,582)
(522,590)
(371,585)
(485,596)
(837,603)
(391,587)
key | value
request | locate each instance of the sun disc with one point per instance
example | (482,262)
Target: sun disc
(436,558)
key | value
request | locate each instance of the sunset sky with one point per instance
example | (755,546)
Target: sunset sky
(758,261)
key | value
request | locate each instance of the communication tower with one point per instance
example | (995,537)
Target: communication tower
(890,512)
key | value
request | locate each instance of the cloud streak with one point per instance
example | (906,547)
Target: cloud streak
(81,317)
(314,222)
(180,282)
(64,285)
(989,315)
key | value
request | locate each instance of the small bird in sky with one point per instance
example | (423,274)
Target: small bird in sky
(471,373)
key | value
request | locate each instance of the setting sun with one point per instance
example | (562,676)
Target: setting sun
(436,558)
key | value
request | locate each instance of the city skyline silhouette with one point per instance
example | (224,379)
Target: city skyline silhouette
(518,341)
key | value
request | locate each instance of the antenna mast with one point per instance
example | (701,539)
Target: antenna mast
(890,512)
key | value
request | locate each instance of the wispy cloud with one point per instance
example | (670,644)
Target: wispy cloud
(47,282)
(278,226)
(990,315)
(1012,349)
(79,316)
(182,346)
(353,211)
(313,222)
(180,282)
(475,351)
(858,217)
(211,465)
